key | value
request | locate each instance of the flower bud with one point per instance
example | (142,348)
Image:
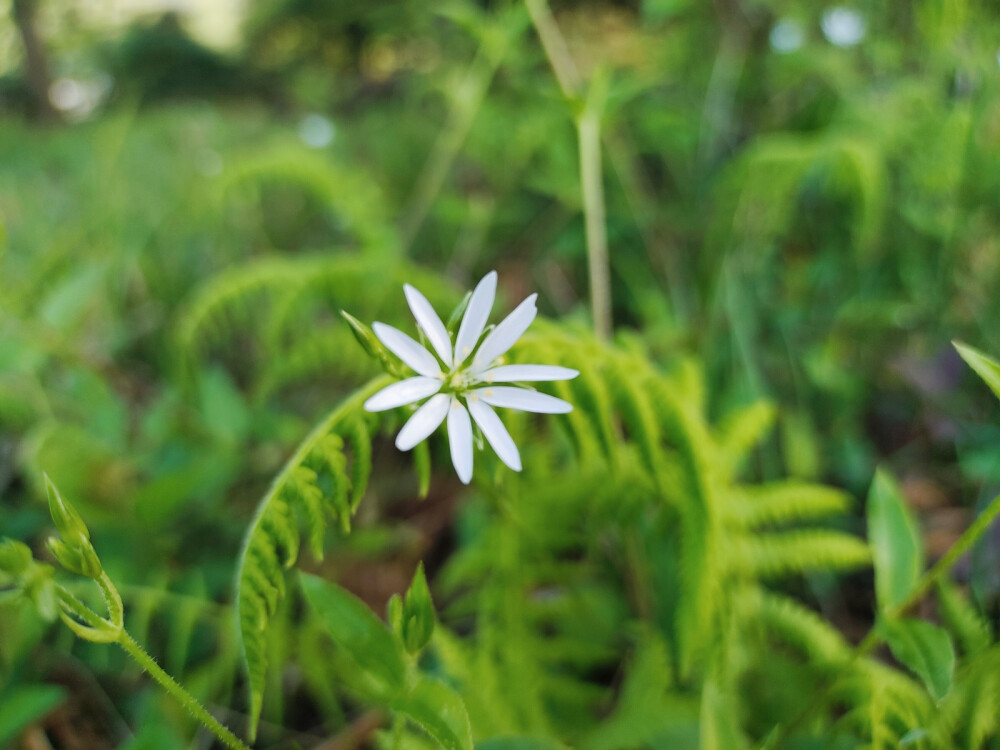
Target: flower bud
(77,557)
(372,346)
(417,615)
(64,515)
(455,320)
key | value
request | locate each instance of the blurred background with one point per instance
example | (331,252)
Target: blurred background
(804,196)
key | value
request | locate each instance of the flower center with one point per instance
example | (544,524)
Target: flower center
(455,381)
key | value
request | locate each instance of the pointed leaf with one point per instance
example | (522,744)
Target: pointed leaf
(985,366)
(895,542)
(356,629)
(925,649)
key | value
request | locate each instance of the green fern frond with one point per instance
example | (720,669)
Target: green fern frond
(637,413)
(348,193)
(743,430)
(359,441)
(793,624)
(968,715)
(772,555)
(272,542)
(972,629)
(751,507)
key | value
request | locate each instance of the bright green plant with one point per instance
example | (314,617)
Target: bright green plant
(662,507)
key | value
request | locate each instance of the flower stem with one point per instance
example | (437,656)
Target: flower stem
(170,685)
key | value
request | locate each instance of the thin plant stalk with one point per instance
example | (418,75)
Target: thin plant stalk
(171,686)
(118,634)
(588,129)
(465,104)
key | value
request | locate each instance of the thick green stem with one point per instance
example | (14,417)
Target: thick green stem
(170,685)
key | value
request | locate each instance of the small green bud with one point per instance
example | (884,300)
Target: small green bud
(417,620)
(363,334)
(457,314)
(372,346)
(78,557)
(64,515)
(15,557)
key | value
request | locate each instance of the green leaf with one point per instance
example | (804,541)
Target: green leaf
(985,366)
(25,705)
(356,629)
(895,542)
(925,649)
(439,710)
(379,653)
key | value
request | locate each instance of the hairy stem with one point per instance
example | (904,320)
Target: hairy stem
(170,685)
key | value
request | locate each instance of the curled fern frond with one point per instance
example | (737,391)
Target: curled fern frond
(288,306)
(348,193)
(314,484)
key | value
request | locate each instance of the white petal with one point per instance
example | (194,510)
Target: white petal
(526,373)
(476,315)
(404,392)
(429,321)
(408,350)
(495,433)
(505,335)
(424,421)
(523,400)
(460,439)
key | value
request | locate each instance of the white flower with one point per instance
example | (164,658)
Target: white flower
(456,386)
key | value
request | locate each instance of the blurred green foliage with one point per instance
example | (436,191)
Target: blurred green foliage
(811,214)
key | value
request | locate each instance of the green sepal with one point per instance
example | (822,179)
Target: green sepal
(417,620)
(79,558)
(394,614)
(64,516)
(372,346)
(455,320)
